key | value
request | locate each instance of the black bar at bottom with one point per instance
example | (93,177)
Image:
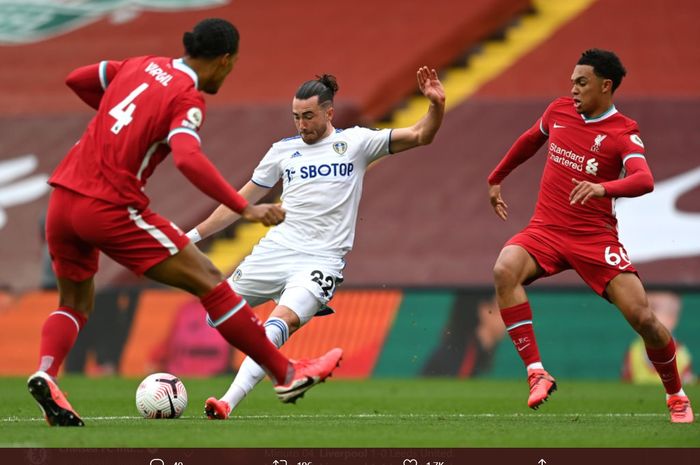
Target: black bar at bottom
(374,456)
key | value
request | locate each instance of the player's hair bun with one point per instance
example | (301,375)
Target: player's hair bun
(190,43)
(324,86)
(210,38)
(329,81)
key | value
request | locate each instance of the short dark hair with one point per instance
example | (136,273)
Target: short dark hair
(605,64)
(325,86)
(211,38)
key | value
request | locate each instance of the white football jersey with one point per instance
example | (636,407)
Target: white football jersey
(322,186)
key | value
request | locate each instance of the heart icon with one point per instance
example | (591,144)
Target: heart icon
(410,462)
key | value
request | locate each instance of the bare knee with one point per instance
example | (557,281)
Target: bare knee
(513,267)
(504,276)
(644,322)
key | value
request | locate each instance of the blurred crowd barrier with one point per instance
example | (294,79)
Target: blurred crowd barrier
(384,332)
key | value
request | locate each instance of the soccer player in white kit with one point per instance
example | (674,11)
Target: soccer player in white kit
(300,262)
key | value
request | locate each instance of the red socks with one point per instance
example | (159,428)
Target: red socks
(518,320)
(58,335)
(234,319)
(664,360)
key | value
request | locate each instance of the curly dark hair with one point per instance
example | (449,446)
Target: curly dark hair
(605,64)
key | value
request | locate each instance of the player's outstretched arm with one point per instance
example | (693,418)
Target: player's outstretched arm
(223,216)
(522,150)
(423,132)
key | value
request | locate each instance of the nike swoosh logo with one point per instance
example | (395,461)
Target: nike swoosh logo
(309,382)
(623,267)
(557,126)
(520,349)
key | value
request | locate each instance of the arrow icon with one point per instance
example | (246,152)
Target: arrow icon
(542,461)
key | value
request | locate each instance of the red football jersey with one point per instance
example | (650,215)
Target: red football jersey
(147,100)
(592,150)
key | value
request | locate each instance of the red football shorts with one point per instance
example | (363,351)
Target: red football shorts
(77,227)
(596,256)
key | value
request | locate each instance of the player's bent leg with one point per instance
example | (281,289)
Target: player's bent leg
(297,306)
(235,320)
(191,270)
(53,404)
(514,267)
(627,293)
(248,376)
(58,335)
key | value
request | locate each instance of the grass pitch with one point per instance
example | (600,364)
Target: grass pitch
(373,413)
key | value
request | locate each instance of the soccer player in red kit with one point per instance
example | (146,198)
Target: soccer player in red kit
(594,154)
(147,107)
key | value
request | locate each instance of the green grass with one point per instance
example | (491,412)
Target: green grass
(373,413)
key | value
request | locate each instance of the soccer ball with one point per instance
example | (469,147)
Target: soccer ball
(161,395)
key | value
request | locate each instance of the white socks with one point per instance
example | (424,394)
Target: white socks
(250,372)
(535,366)
(679,393)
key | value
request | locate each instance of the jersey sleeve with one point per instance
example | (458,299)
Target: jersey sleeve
(631,144)
(268,171)
(375,142)
(638,179)
(188,116)
(522,150)
(90,82)
(107,72)
(545,119)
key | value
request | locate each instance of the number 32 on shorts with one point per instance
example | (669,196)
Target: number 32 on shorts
(618,259)
(327,282)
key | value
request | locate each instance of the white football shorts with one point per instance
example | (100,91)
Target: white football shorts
(272,268)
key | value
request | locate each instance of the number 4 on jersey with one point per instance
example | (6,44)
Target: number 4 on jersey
(123,110)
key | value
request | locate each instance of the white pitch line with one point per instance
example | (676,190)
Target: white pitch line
(370,416)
